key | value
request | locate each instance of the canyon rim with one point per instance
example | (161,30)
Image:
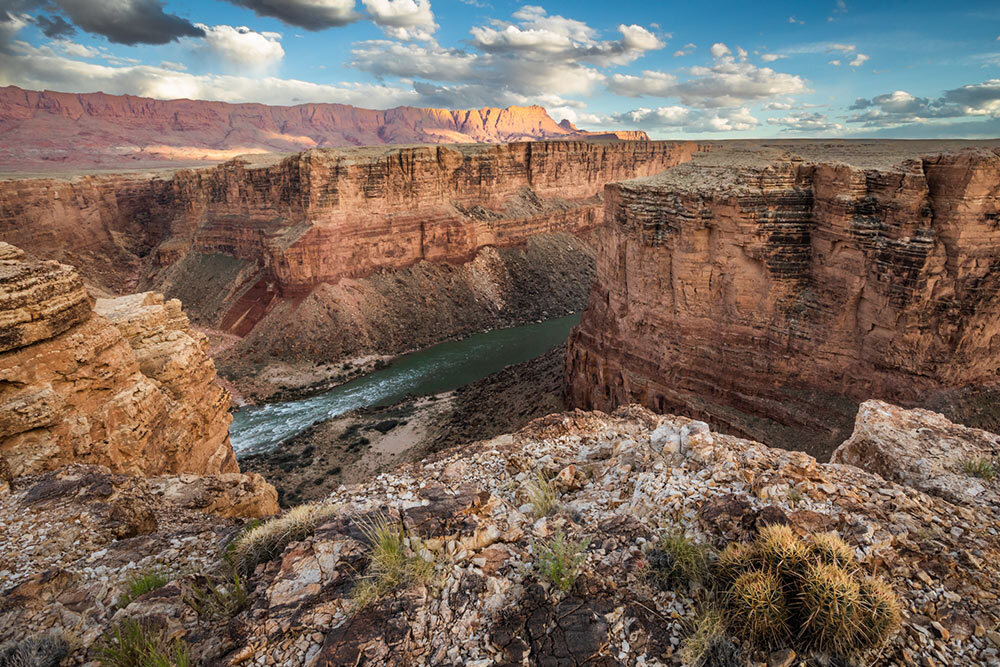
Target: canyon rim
(383,332)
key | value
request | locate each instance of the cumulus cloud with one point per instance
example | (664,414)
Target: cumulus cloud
(902,108)
(771,57)
(687,119)
(835,63)
(403,19)
(727,83)
(41,67)
(804,121)
(74,49)
(685,50)
(539,35)
(127,21)
(859,60)
(240,46)
(308,14)
(793,20)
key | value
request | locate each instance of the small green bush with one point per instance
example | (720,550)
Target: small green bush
(559,560)
(219,599)
(142,583)
(267,540)
(674,559)
(136,644)
(979,466)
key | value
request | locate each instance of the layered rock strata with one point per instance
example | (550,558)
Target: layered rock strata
(127,385)
(450,239)
(770,291)
(51,131)
(621,480)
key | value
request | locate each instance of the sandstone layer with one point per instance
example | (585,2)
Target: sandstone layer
(50,131)
(620,480)
(771,290)
(128,385)
(323,246)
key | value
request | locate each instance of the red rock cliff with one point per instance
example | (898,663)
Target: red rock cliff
(48,131)
(127,385)
(770,293)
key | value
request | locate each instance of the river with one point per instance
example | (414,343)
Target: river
(433,370)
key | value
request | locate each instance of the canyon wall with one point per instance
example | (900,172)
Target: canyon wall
(328,240)
(50,131)
(126,385)
(771,291)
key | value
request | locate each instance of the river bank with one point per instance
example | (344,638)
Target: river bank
(360,444)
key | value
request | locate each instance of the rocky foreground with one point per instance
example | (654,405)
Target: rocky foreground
(474,526)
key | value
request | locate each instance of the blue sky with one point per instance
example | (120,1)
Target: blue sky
(681,69)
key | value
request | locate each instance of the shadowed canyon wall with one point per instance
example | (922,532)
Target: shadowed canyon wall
(770,292)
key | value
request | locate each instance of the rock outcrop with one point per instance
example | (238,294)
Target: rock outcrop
(771,291)
(50,131)
(127,385)
(926,451)
(619,481)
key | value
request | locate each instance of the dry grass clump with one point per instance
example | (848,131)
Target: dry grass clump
(267,540)
(560,560)
(675,559)
(222,597)
(709,644)
(780,591)
(542,495)
(391,562)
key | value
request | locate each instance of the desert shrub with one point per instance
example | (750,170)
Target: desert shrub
(219,598)
(542,495)
(781,590)
(142,583)
(559,560)
(134,643)
(708,643)
(391,563)
(267,540)
(979,466)
(675,559)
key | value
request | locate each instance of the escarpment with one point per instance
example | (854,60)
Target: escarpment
(331,254)
(127,385)
(771,291)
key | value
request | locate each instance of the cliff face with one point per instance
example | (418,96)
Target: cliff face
(324,231)
(50,131)
(770,292)
(127,385)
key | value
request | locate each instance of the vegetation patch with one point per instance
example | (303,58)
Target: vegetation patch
(142,583)
(133,643)
(980,466)
(268,539)
(542,495)
(560,560)
(674,559)
(393,560)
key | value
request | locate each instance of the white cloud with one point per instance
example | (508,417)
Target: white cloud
(41,68)
(74,49)
(169,64)
(859,60)
(726,83)
(900,107)
(687,49)
(792,19)
(403,19)
(804,121)
(687,119)
(771,57)
(843,48)
(242,47)
(835,63)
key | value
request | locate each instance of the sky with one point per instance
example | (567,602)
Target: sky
(705,69)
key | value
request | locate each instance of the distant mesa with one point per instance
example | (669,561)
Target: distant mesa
(51,131)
